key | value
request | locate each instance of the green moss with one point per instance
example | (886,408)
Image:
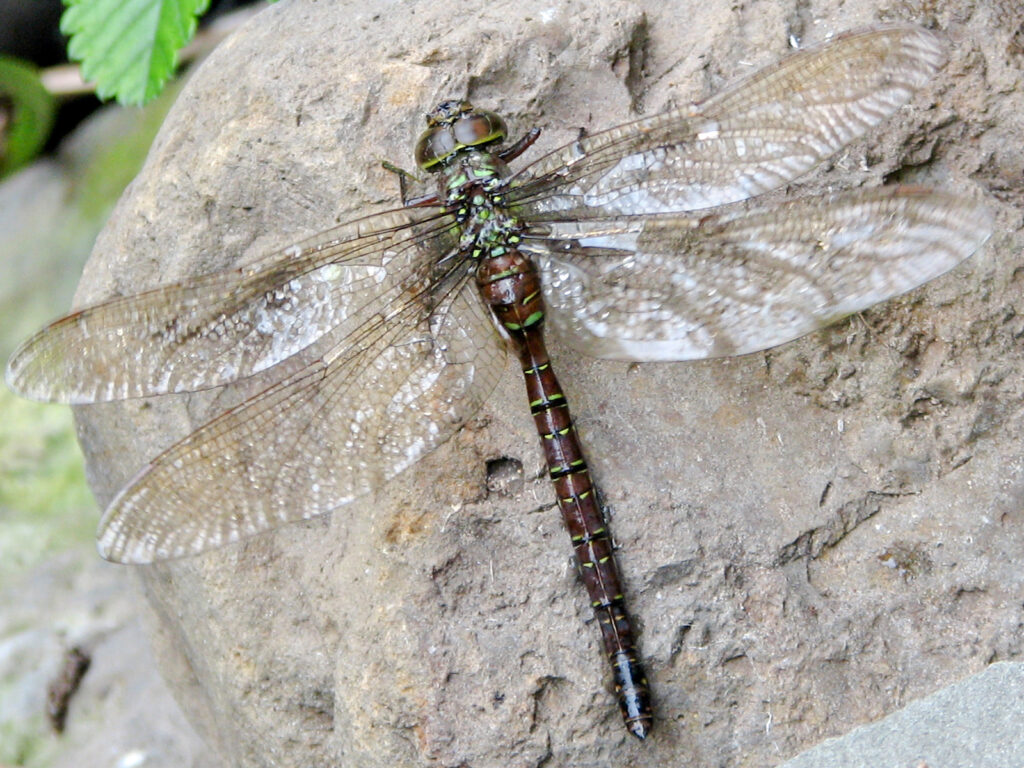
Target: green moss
(45,505)
(26,742)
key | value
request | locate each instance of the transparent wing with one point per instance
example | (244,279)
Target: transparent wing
(673,288)
(397,379)
(218,328)
(753,137)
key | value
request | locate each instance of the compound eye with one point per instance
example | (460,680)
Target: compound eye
(453,127)
(479,128)
(433,146)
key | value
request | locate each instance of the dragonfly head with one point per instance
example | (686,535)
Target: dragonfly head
(453,126)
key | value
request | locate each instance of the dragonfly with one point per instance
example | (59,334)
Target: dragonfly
(384,335)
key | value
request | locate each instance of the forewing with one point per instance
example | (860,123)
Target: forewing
(672,288)
(396,381)
(217,328)
(754,136)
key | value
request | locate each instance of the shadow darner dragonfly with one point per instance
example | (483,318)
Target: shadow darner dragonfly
(390,331)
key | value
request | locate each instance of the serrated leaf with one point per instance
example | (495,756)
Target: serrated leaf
(129,48)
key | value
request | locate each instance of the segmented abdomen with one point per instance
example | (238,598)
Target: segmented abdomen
(511,287)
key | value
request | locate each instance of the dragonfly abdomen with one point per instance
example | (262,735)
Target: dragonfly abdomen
(510,285)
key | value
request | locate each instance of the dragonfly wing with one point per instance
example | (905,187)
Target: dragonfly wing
(672,288)
(217,328)
(754,136)
(388,391)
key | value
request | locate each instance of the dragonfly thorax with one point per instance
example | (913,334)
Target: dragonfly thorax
(472,185)
(461,146)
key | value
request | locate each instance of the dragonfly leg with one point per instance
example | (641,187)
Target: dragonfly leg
(404,177)
(514,151)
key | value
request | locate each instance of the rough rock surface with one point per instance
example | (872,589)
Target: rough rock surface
(812,536)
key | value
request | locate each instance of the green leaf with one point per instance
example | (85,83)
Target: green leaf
(29,110)
(129,47)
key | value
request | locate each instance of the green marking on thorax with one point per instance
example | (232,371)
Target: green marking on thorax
(502,275)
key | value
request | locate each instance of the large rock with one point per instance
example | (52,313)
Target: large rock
(811,536)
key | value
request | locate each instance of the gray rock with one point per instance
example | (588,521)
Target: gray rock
(812,536)
(972,724)
(121,712)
